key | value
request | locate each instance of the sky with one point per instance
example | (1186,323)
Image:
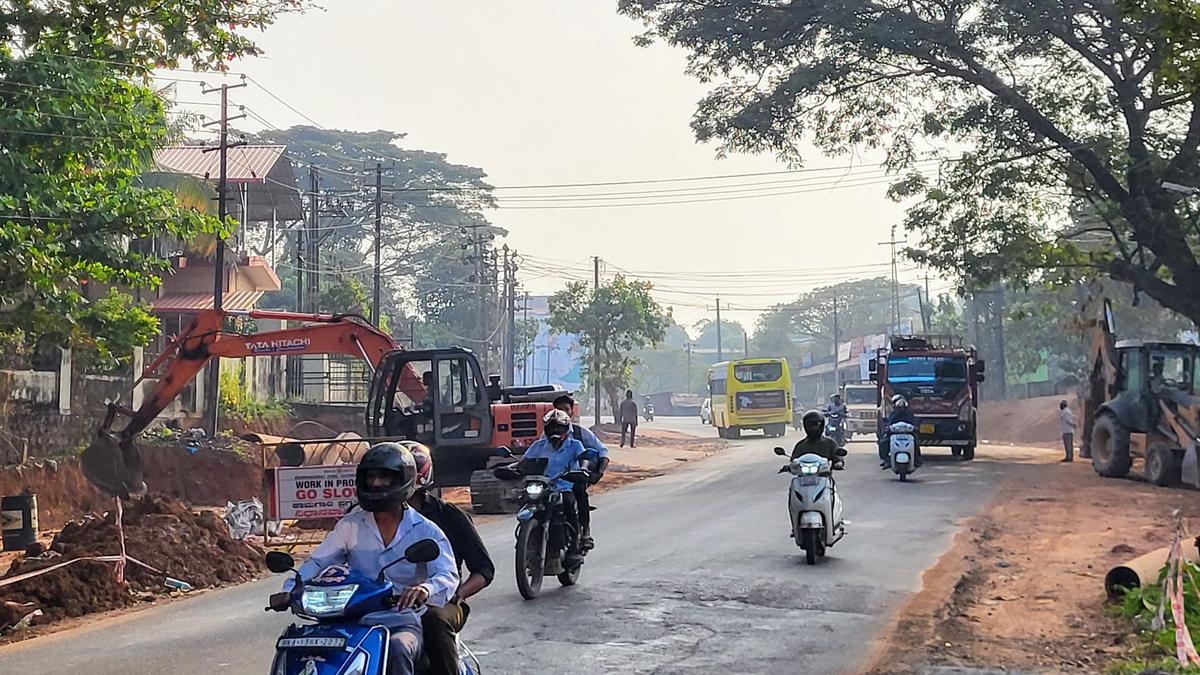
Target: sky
(541,92)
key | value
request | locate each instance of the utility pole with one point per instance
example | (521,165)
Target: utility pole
(375,306)
(213,385)
(746,343)
(596,343)
(720,354)
(527,350)
(926,307)
(312,255)
(837,374)
(688,346)
(895,299)
(510,317)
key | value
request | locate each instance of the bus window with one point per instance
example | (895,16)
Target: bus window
(758,372)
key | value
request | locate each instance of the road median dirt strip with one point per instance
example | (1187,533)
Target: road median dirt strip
(163,536)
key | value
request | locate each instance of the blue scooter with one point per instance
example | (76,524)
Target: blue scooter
(335,599)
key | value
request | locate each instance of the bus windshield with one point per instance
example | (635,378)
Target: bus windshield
(758,372)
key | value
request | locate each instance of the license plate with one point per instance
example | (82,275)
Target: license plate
(310,642)
(927,428)
(809,480)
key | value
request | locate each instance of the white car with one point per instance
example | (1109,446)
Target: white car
(706,411)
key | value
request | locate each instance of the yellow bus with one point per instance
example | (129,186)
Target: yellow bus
(750,394)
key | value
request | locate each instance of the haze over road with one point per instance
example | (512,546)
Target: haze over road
(693,572)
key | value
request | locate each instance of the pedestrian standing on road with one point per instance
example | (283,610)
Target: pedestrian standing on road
(628,417)
(1066,425)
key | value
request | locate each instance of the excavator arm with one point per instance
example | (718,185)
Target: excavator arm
(1102,371)
(114,464)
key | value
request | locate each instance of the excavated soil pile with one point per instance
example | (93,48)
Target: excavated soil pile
(159,531)
(1030,421)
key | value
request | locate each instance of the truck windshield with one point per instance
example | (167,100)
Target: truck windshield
(860,396)
(935,376)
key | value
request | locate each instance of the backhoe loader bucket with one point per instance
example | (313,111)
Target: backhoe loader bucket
(112,464)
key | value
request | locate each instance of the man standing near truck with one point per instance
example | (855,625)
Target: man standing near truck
(1066,425)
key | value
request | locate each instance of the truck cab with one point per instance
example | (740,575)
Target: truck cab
(862,402)
(939,377)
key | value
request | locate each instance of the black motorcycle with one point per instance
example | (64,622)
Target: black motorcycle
(543,534)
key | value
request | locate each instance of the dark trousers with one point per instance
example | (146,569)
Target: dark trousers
(631,427)
(583,505)
(440,626)
(1069,446)
(564,526)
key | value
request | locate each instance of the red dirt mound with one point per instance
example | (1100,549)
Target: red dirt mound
(159,531)
(1025,421)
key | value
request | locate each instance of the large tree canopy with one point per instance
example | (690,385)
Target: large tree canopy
(432,213)
(81,122)
(1056,119)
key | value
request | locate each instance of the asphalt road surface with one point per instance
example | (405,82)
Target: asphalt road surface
(693,572)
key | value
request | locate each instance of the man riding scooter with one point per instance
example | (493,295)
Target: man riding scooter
(598,457)
(815,440)
(442,624)
(900,413)
(370,539)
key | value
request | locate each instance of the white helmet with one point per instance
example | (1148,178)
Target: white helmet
(899,401)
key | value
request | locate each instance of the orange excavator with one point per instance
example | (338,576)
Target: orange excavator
(434,396)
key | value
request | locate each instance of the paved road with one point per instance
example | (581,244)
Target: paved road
(694,573)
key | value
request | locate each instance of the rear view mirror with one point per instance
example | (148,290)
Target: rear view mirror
(979,377)
(874,376)
(279,562)
(780,451)
(981,367)
(842,452)
(423,551)
(872,366)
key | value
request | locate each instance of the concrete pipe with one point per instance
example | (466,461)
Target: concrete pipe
(346,448)
(1145,568)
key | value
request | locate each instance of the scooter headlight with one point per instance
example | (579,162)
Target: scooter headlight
(326,600)
(808,469)
(535,490)
(902,457)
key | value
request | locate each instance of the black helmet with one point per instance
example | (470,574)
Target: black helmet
(813,422)
(394,458)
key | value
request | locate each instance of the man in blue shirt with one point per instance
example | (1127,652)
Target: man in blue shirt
(597,456)
(561,453)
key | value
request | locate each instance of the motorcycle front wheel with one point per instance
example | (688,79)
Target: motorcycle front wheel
(531,559)
(808,540)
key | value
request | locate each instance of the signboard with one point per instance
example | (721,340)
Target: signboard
(843,351)
(302,492)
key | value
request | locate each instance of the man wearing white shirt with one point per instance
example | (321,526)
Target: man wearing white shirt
(369,539)
(1066,425)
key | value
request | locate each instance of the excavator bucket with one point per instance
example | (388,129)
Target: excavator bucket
(114,465)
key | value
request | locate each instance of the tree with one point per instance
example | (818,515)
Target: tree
(732,335)
(1066,115)
(864,308)
(432,210)
(610,323)
(81,122)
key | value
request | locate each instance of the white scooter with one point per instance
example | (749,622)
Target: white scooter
(902,449)
(814,504)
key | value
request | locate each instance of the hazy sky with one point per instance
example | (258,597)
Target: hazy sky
(553,91)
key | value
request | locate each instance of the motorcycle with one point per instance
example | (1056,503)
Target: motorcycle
(648,412)
(335,600)
(814,504)
(835,427)
(902,449)
(542,534)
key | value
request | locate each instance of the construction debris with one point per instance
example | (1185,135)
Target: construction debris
(159,531)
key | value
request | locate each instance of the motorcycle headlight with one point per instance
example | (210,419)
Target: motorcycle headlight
(326,600)
(964,412)
(808,469)
(535,490)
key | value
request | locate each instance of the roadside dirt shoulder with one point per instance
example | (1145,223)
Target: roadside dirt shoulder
(1022,588)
